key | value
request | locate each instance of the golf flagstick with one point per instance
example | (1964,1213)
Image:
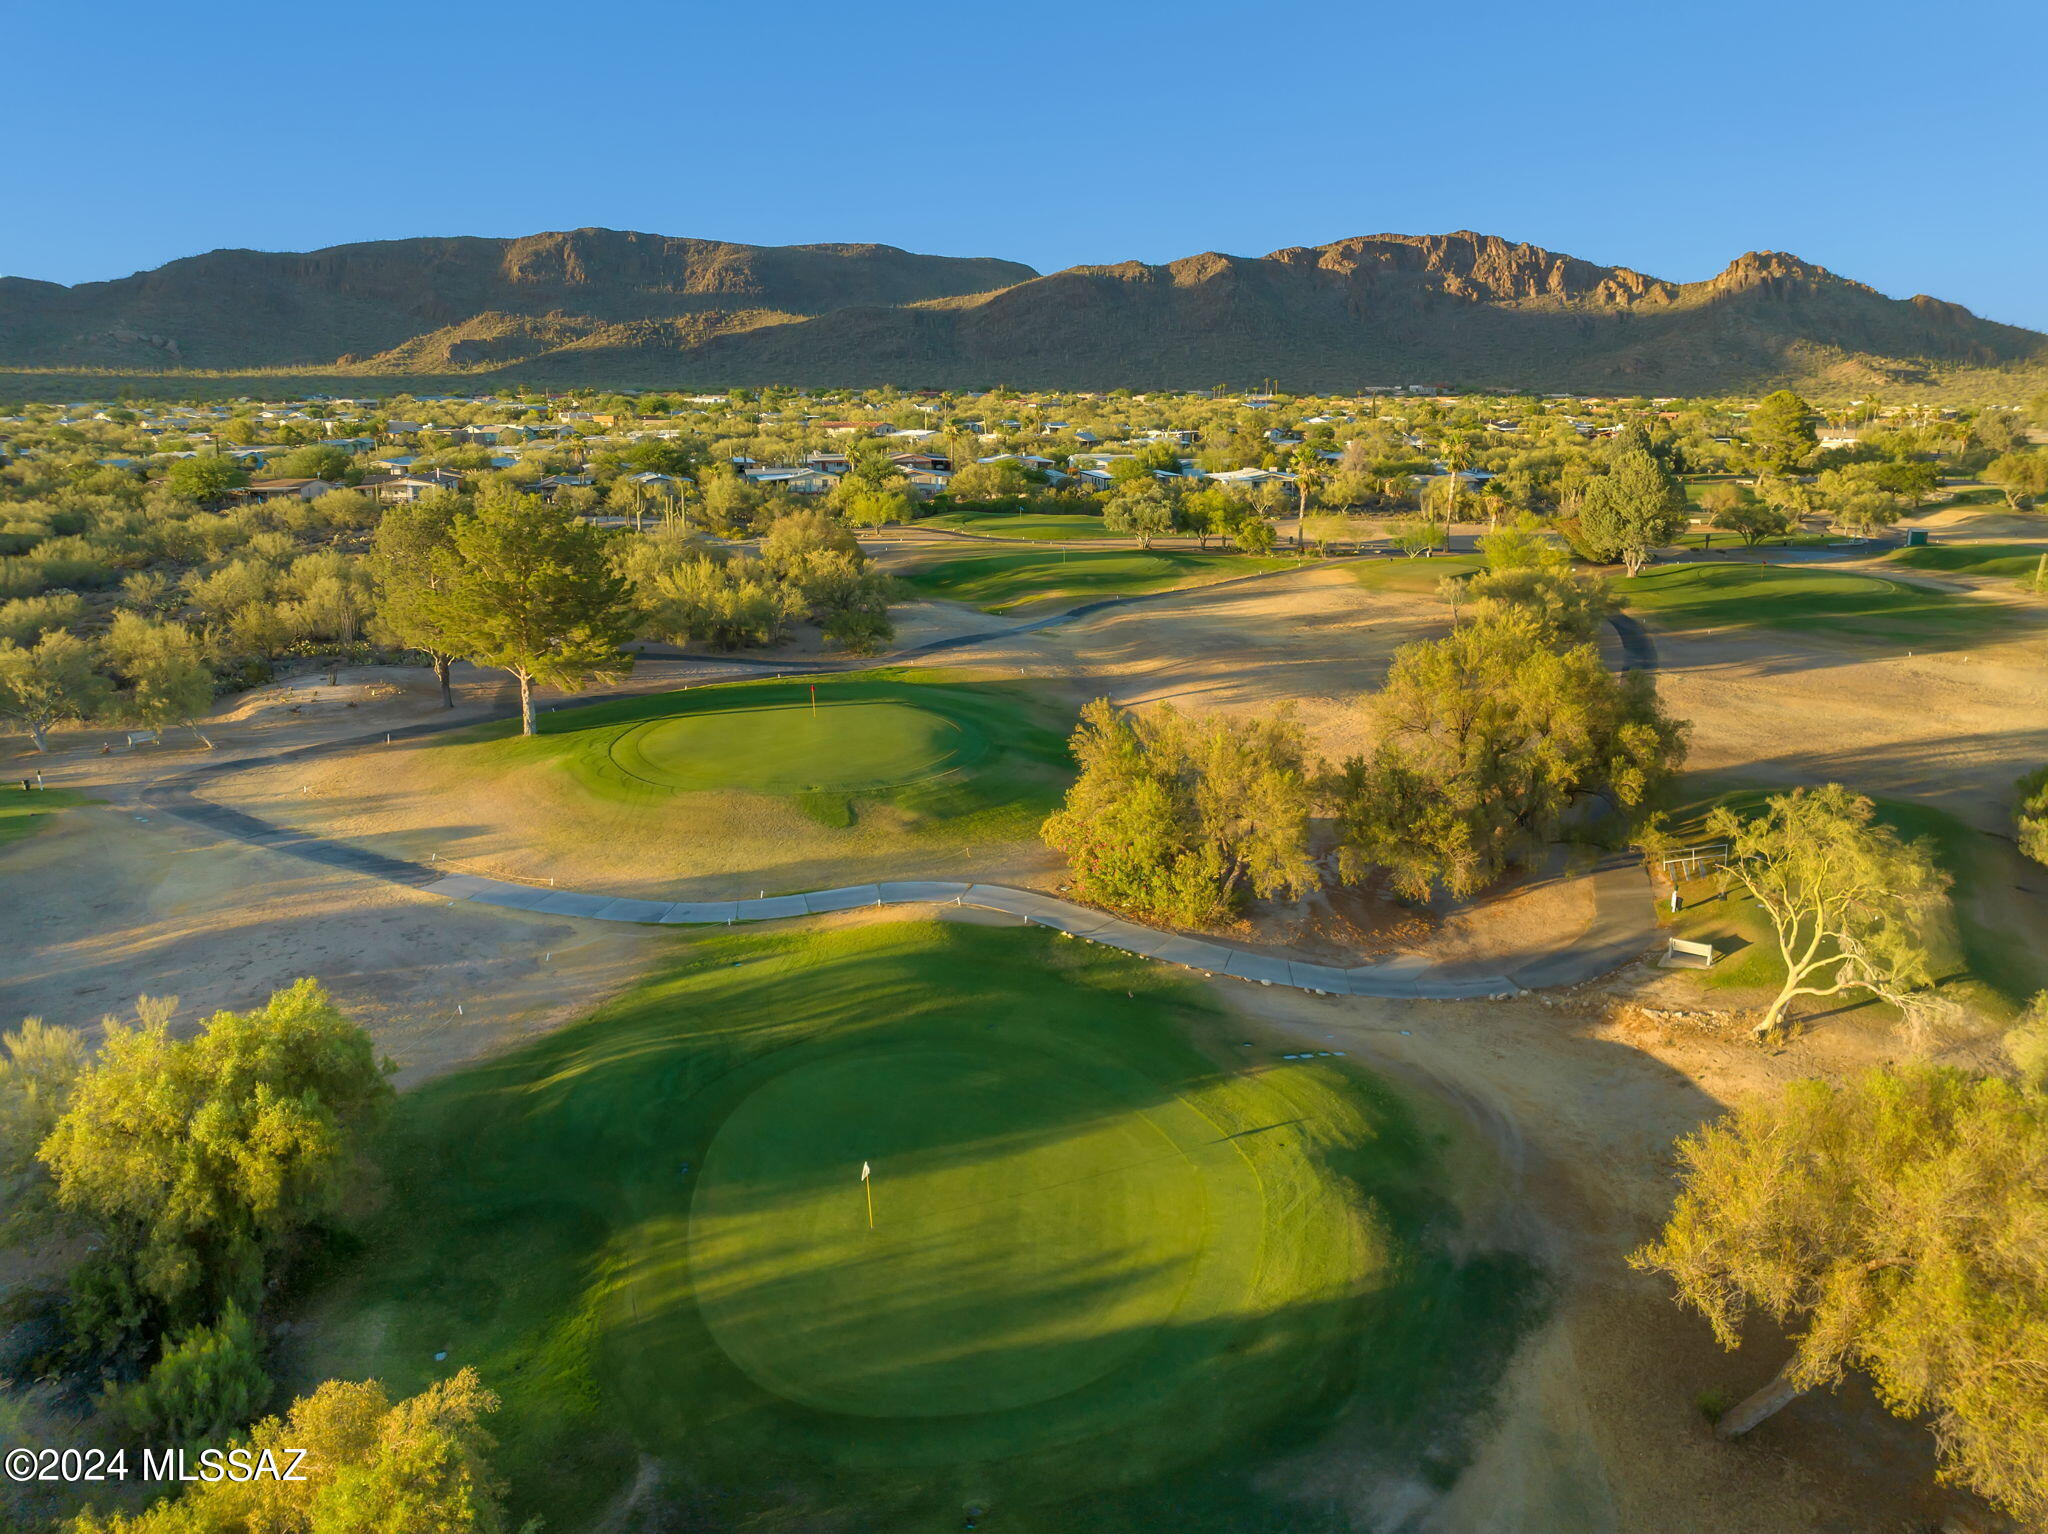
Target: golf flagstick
(870,1189)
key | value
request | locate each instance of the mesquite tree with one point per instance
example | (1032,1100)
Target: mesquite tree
(49,682)
(1893,1226)
(1854,908)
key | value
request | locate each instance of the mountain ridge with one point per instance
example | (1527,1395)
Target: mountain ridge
(598,306)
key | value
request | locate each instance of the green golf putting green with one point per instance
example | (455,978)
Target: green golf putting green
(1080,1174)
(686,776)
(793,745)
(1116,1275)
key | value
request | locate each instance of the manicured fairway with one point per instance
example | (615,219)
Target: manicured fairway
(1810,599)
(1412,575)
(998,582)
(1721,538)
(1116,1264)
(1008,524)
(2011,559)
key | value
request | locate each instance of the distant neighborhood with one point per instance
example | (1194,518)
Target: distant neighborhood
(711,458)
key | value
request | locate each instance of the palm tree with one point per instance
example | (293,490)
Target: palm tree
(1308,473)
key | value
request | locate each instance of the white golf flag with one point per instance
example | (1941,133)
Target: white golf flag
(863,1171)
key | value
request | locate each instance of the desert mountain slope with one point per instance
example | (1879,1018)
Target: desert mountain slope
(596,306)
(253,309)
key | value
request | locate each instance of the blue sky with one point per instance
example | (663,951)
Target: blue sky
(1903,145)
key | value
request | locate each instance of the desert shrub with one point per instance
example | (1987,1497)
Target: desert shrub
(20,576)
(24,620)
(74,562)
(208,1383)
(1181,819)
(2026,1044)
(2030,815)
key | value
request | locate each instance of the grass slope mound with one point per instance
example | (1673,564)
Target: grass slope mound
(1414,576)
(998,583)
(712,792)
(1112,1272)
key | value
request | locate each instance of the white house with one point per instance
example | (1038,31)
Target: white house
(796,481)
(409,487)
(1251,479)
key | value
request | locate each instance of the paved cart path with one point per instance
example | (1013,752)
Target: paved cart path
(1622,928)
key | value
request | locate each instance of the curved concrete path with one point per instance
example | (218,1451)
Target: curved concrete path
(1638,650)
(1623,926)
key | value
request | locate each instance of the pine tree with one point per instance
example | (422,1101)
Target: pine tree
(527,588)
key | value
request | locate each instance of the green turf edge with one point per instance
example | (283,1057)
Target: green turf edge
(1004,798)
(1414,575)
(1034,527)
(2020,561)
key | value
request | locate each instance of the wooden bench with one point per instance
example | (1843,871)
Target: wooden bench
(1682,953)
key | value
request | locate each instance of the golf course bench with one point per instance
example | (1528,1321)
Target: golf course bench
(1683,953)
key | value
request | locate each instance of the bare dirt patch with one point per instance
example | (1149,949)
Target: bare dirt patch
(104,907)
(1317,640)
(1950,728)
(1989,522)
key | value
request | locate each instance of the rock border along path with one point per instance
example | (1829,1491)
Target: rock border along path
(1623,926)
